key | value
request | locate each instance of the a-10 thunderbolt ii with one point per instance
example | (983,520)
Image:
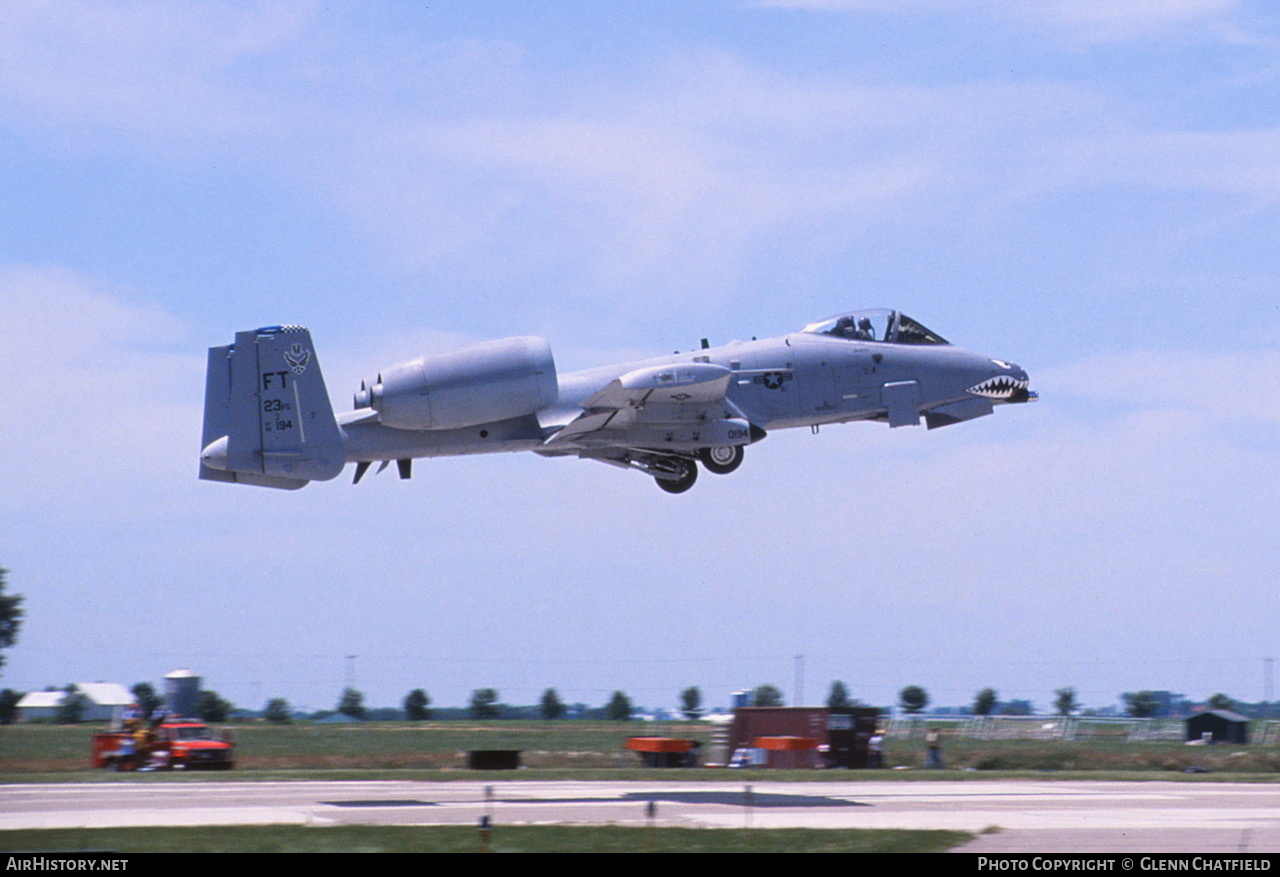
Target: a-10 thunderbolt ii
(268,420)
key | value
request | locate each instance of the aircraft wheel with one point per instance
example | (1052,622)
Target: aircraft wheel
(722,459)
(684,482)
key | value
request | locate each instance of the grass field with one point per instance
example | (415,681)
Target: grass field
(503,839)
(564,750)
(377,746)
(550,749)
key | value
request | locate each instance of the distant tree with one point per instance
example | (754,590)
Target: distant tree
(838,696)
(1167,703)
(1220,701)
(1018,708)
(10,617)
(144,695)
(277,711)
(618,709)
(416,705)
(352,703)
(211,707)
(484,703)
(1064,701)
(9,706)
(913,699)
(984,702)
(551,707)
(1141,704)
(767,695)
(73,707)
(691,703)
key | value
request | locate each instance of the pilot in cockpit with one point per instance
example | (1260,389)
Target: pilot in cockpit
(865,331)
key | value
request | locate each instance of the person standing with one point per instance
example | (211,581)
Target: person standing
(875,749)
(933,740)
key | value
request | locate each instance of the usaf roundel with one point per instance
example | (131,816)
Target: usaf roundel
(772,380)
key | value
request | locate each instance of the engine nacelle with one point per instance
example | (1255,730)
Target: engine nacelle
(497,380)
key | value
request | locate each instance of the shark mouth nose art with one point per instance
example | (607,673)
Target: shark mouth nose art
(1003,387)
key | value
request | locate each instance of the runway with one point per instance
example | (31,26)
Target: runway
(1016,815)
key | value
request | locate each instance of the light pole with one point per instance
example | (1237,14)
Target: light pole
(351,671)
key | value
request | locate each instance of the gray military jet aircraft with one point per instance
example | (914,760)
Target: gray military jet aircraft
(268,420)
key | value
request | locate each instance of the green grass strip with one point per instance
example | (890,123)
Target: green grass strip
(465,839)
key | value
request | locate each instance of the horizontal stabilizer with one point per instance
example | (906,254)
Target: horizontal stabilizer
(248,478)
(268,420)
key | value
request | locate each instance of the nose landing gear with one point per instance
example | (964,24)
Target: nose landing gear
(722,459)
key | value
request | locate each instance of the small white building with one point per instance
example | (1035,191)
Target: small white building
(39,705)
(107,701)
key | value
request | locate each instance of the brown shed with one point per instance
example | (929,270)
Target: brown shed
(839,735)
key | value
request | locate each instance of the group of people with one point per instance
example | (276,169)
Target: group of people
(138,749)
(933,751)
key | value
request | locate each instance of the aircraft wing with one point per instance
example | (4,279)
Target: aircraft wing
(681,407)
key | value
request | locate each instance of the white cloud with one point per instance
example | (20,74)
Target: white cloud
(1123,19)
(669,187)
(146,67)
(97,410)
(1095,20)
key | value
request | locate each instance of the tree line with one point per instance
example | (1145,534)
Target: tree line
(913,700)
(485,703)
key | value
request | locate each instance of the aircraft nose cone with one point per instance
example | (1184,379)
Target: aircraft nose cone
(1023,393)
(1006,382)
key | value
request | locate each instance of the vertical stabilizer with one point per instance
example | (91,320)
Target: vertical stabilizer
(267,416)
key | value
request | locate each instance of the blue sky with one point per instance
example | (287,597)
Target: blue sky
(1089,188)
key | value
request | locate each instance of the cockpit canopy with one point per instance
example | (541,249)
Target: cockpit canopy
(875,324)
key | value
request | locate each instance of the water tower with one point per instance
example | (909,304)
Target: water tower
(181,688)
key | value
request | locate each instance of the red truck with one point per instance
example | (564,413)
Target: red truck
(175,744)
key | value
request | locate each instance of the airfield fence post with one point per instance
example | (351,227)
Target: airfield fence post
(748,801)
(651,815)
(485,831)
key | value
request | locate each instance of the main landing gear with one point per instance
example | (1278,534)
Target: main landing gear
(720,460)
(687,475)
